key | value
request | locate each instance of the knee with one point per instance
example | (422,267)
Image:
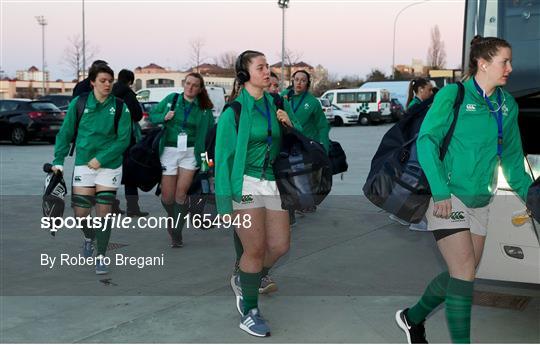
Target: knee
(82,204)
(466,268)
(278,249)
(180,197)
(255,253)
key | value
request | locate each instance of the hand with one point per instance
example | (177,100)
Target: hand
(169,115)
(443,208)
(94,164)
(283,118)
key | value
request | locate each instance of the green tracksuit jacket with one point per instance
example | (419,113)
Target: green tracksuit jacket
(242,152)
(311,116)
(96,137)
(199,122)
(414,101)
(470,167)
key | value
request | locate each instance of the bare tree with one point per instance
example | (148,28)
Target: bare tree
(73,54)
(226,60)
(196,57)
(376,75)
(291,58)
(436,53)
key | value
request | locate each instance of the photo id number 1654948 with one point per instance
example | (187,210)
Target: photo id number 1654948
(226,221)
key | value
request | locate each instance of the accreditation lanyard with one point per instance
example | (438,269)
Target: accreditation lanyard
(266,114)
(497,114)
(295,109)
(187,111)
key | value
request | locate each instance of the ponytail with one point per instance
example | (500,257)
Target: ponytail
(414,85)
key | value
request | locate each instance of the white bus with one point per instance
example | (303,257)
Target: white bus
(156,94)
(372,105)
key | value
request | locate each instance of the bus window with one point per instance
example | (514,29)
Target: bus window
(345,97)
(330,97)
(366,97)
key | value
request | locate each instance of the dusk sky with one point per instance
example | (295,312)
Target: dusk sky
(346,37)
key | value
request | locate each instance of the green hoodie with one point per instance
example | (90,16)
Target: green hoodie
(469,169)
(96,136)
(199,122)
(311,116)
(242,152)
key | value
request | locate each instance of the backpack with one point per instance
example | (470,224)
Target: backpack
(302,169)
(79,110)
(338,159)
(396,182)
(142,165)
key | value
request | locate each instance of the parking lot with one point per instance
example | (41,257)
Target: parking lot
(349,269)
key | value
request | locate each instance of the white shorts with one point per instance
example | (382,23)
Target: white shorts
(172,159)
(83,176)
(462,217)
(258,193)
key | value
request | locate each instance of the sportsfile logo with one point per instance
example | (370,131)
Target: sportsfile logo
(470,107)
(457,216)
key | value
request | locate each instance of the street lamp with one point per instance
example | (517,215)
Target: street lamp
(283,4)
(394,39)
(42,21)
(83,46)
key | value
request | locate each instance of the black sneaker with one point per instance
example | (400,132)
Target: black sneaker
(416,334)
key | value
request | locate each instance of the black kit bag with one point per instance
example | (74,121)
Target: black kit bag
(302,170)
(396,182)
(54,193)
(142,166)
(338,159)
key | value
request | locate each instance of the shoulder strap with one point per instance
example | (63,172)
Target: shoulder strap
(174,101)
(79,111)
(237,108)
(118,113)
(278,100)
(457,105)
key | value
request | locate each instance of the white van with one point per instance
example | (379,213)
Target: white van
(156,94)
(372,105)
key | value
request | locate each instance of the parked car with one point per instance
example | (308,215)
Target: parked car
(61,101)
(342,117)
(145,123)
(327,108)
(22,120)
(372,105)
(396,109)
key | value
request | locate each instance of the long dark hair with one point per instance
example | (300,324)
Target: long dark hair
(485,48)
(204,100)
(242,66)
(414,85)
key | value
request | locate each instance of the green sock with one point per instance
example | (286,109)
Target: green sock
(433,296)
(180,210)
(169,208)
(88,232)
(238,246)
(103,235)
(458,310)
(250,283)
(265,271)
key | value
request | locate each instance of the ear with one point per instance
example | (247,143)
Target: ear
(482,64)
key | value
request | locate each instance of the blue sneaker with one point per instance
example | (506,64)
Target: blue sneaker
(254,324)
(88,248)
(237,289)
(101,267)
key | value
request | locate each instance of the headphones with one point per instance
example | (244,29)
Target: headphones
(242,74)
(308,77)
